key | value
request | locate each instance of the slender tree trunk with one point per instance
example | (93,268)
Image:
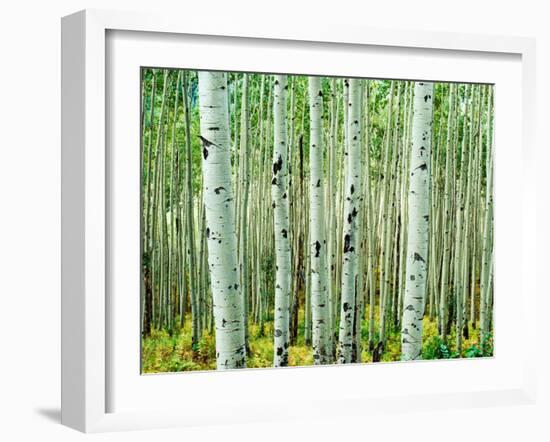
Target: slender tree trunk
(418,224)
(318,248)
(449,159)
(487,252)
(352,206)
(245,179)
(220,221)
(190,220)
(279,190)
(147,253)
(458,258)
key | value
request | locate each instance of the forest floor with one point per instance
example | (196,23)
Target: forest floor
(163,352)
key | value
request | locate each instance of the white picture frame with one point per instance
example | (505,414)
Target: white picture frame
(87,356)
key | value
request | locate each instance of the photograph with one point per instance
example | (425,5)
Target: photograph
(296,220)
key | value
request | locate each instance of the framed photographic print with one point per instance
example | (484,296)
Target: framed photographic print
(269,221)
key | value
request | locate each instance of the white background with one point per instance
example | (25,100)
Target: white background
(30,215)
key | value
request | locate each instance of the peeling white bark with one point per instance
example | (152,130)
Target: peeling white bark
(279,193)
(220,221)
(418,223)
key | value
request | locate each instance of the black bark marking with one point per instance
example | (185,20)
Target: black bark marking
(417,257)
(352,189)
(284,233)
(318,183)
(320,94)
(409,308)
(423,166)
(284,195)
(317,248)
(223,322)
(345,307)
(205,142)
(217,190)
(347,244)
(352,215)
(412,278)
(426,98)
(213,128)
(274,181)
(205,152)
(277,165)
(208,232)
(273,204)
(278,333)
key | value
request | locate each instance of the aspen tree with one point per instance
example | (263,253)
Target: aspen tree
(190,216)
(383,191)
(369,219)
(459,210)
(317,240)
(350,234)
(487,252)
(147,260)
(220,221)
(279,190)
(418,223)
(449,160)
(243,215)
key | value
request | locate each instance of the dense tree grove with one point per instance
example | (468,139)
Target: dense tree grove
(295,220)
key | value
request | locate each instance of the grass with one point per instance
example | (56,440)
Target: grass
(163,353)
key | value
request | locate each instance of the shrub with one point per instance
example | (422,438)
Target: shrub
(473,352)
(435,348)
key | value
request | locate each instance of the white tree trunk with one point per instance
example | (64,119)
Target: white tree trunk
(318,245)
(220,221)
(487,252)
(243,215)
(279,192)
(418,223)
(350,234)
